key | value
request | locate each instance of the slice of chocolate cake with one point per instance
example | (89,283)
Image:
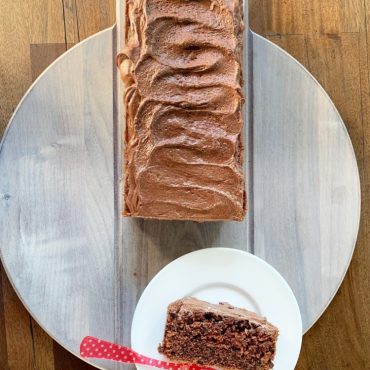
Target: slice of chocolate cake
(220,336)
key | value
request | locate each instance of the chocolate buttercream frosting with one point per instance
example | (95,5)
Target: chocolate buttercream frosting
(181,68)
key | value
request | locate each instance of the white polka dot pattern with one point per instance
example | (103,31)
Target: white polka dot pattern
(91,347)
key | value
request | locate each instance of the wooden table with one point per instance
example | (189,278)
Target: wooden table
(329,38)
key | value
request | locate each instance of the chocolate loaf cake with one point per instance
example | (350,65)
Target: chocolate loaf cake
(181,67)
(220,336)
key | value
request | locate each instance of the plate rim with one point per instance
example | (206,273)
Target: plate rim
(253,257)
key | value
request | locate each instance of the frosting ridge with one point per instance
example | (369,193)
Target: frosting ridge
(183,139)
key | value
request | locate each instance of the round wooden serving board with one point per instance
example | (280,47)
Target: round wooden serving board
(80,268)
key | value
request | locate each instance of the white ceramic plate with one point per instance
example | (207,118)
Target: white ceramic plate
(214,275)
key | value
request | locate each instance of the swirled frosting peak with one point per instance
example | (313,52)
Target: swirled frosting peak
(182,72)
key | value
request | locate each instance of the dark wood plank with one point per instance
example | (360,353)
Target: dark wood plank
(18,331)
(302,17)
(46,21)
(71,22)
(64,360)
(43,348)
(3,341)
(365,87)
(94,15)
(352,15)
(322,17)
(285,17)
(42,55)
(15,76)
(334,61)
(296,44)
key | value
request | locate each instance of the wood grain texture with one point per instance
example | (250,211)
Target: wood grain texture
(104,16)
(17,71)
(325,338)
(80,134)
(3,341)
(43,348)
(334,46)
(306,207)
(42,55)
(32,34)
(64,360)
(18,331)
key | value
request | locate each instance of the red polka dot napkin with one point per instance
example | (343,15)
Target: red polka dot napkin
(91,347)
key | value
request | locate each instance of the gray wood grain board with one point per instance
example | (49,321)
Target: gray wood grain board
(56,196)
(80,268)
(306,188)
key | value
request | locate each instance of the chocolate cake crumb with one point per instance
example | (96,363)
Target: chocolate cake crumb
(220,336)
